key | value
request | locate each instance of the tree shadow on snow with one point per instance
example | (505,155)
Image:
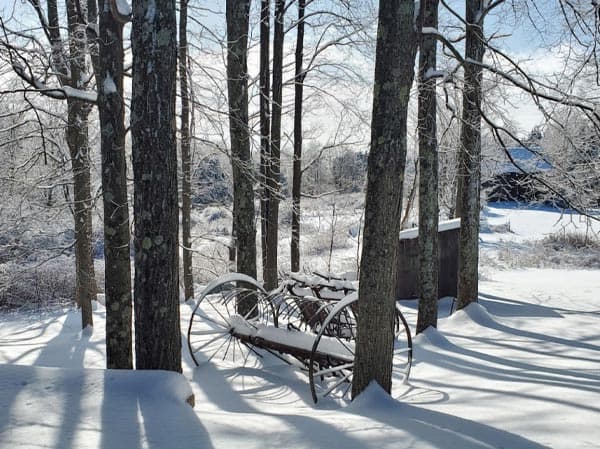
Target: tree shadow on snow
(427,428)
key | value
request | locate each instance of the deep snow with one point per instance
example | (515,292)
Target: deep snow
(519,370)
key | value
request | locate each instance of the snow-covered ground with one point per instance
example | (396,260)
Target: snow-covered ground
(519,370)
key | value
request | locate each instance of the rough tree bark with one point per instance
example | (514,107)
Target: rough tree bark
(78,143)
(470,158)
(237,13)
(265,123)
(273,165)
(394,73)
(156,284)
(186,158)
(297,164)
(428,169)
(111,110)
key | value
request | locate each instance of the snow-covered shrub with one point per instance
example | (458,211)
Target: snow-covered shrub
(572,240)
(212,184)
(559,250)
(51,284)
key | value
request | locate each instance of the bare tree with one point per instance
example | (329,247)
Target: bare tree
(300,74)
(274,158)
(265,122)
(428,171)
(186,158)
(70,68)
(237,85)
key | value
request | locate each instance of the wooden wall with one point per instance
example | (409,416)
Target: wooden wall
(407,286)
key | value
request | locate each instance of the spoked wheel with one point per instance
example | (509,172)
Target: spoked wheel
(223,311)
(331,364)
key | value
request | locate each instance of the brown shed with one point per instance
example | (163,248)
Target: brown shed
(407,282)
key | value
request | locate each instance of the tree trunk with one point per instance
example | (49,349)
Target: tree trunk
(470,159)
(265,124)
(273,177)
(297,164)
(394,72)
(154,48)
(186,158)
(428,169)
(78,143)
(111,111)
(237,12)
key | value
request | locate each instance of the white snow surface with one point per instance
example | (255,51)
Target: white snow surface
(518,370)
(445,225)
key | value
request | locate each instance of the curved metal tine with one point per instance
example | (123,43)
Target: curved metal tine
(334,369)
(336,384)
(205,344)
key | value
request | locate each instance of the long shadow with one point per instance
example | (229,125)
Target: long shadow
(438,429)
(67,349)
(71,343)
(216,386)
(493,324)
(435,428)
(187,432)
(552,311)
(136,414)
(52,355)
(119,422)
(514,308)
(220,393)
(517,372)
(10,388)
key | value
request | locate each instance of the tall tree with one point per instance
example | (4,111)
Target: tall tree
(78,142)
(297,164)
(186,158)
(237,14)
(274,159)
(156,217)
(265,122)
(428,170)
(468,201)
(111,111)
(394,73)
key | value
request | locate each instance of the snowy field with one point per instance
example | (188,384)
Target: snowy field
(519,370)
